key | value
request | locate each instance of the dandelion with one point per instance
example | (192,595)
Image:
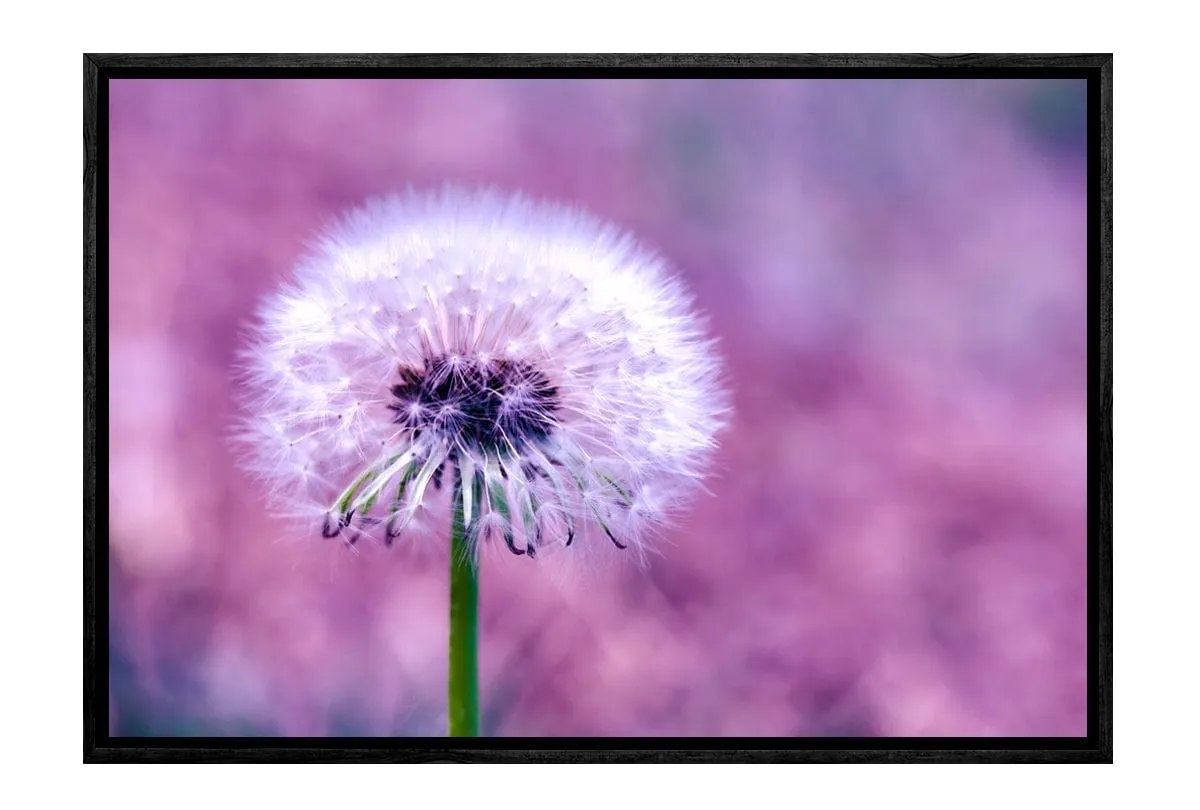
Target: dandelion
(540,361)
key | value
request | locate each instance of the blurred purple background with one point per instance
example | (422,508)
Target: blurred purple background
(895,544)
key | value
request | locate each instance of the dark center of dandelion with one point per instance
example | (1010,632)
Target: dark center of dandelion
(471,402)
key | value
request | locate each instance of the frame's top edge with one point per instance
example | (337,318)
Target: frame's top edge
(1017,63)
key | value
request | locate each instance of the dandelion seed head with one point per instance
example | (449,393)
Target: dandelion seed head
(537,359)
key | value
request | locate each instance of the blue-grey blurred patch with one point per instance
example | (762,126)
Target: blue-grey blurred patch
(697,164)
(1054,116)
(140,714)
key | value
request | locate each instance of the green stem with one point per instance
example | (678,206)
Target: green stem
(464,627)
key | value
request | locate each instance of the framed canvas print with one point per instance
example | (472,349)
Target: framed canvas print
(609,408)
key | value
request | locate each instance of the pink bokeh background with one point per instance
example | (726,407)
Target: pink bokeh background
(895,543)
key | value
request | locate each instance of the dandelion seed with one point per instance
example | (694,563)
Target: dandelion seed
(538,356)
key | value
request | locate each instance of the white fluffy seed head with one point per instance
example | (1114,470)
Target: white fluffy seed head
(537,358)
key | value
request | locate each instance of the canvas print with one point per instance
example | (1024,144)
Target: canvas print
(607,408)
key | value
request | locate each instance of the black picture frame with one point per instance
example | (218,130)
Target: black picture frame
(1096,747)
